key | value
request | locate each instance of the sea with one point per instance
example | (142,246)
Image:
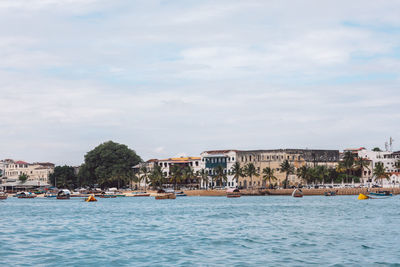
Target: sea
(201,231)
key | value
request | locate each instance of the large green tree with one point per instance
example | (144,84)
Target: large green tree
(64,177)
(110,165)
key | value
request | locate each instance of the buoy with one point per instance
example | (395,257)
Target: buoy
(362,197)
(91,198)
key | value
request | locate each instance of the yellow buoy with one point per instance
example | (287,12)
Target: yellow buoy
(362,197)
(91,198)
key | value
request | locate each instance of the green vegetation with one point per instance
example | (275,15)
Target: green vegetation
(237,171)
(268,175)
(64,177)
(289,169)
(109,165)
(220,175)
(379,172)
(22,178)
(376,149)
(157,177)
(250,171)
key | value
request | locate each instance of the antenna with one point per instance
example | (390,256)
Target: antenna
(391,144)
(386,146)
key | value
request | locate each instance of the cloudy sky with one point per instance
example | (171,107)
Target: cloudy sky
(179,77)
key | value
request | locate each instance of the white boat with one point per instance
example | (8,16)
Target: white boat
(297,193)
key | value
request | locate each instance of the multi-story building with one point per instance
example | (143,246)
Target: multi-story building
(390,161)
(214,158)
(274,158)
(194,163)
(36,172)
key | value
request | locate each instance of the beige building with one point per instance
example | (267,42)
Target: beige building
(36,172)
(274,158)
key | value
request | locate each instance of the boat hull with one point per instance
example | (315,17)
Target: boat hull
(233,195)
(141,195)
(3,197)
(166,196)
(63,197)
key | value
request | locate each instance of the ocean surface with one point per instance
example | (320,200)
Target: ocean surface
(201,231)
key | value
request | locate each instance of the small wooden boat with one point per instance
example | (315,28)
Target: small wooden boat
(25,195)
(3,195)
(233,193)
(380,194)
(166,196)
(141,194)
(63,194)
(297,193)
(330,193)
(50,194)
(180,194)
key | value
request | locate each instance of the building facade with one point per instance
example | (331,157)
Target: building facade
(36,172)
(274,158)
(214,158)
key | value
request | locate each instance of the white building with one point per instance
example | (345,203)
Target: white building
(37,172)
(225,158)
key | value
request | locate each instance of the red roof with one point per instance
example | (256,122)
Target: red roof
(21,162)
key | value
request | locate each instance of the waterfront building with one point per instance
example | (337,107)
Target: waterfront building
(275,157)
(37,172)
(166,165)
(211,160)
(389,159)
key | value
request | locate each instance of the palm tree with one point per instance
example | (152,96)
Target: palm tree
(250,171)
(348,162)
(268,175)
(157,177)
(220,175)
(237,172)
(289,169)
(322,173)
(304,173)
(380,172)
(204,177)
(144,175)
(361,163)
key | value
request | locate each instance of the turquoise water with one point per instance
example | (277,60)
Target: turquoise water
(200,231)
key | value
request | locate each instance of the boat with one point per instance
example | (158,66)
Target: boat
(180,194)
(297,193)
(166,196)
(330,193)
(107,195)
(140,194)
(380,194)
(3,195)
(25,195)
(233,193)
(63,194)
(91,198)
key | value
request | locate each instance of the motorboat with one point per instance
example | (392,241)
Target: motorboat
(297,193)
(64,194)
(233,193)
(380,194)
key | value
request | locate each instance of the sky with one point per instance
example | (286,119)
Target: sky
(171,78)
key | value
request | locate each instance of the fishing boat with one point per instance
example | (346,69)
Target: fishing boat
(140,194)
(162,194)
(50,195)
(297,193)
(330,193)
(380,194)
(180,194)
(63,194)
(3,195)
(25,195)
(233,193)
(166,196)
(107,194)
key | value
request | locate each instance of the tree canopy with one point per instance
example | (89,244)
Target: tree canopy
(64,177)
(109,165)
